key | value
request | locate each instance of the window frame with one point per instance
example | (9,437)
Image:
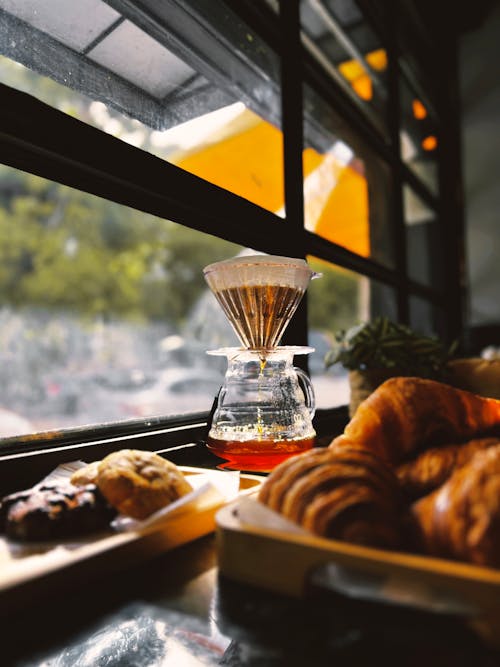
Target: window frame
(69,151)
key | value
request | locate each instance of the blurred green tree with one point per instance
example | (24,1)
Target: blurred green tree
(65,249)
(337,296)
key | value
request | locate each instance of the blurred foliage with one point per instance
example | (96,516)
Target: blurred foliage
(65,249)
(335,296)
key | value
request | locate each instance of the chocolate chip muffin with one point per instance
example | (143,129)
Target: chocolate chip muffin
(138,483)
(86,475)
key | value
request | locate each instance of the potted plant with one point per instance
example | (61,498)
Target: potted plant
(377,350)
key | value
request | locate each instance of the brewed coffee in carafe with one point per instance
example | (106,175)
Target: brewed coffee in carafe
(259,313)
(265,407)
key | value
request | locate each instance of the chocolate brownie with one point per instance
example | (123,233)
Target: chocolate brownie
(48,512)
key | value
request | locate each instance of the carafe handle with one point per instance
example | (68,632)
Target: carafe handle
(307,389)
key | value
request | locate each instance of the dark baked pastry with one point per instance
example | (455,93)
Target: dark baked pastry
(432,468)
(461,519)
(49,512)
(347,494)
(138,483)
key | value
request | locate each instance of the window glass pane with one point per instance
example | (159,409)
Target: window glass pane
(201,91)
(419,136)
(346,186)
(339,300)
(424,317)
(341,40)
(104,311)
(423,241)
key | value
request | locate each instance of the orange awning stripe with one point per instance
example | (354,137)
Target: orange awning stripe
(248,163)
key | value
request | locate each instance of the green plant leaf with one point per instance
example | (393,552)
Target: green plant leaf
(383,343)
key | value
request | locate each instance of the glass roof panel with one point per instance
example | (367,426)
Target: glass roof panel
(75,23)
(138,58)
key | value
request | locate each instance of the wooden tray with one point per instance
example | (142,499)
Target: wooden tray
(287,563)
(23,578)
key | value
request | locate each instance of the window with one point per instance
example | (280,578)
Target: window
(143,140)
(347,186)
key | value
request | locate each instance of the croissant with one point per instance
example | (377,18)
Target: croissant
(433,467)
(406,413)
(461,519)
(348,495)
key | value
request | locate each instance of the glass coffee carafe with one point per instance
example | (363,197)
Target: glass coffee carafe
(264,410)
(265,407)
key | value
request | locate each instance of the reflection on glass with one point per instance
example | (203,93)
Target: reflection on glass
(359,75)
(419,136)
(423,240)
(215,114)
(338,301)
(346,187)
(340,39)
(105,312)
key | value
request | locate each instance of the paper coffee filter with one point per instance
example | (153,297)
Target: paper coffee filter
(259,270)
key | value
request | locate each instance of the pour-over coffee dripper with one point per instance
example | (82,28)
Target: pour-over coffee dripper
(259,294)
(262,415)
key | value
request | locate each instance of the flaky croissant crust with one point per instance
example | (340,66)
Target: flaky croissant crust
(406,414)
(350,495)
(433,467)
(461,519)
(361,487)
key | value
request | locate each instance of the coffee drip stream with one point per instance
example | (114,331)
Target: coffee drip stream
(265,407)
